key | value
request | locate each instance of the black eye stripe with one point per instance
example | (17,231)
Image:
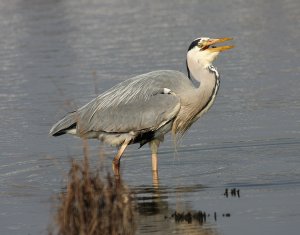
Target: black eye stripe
(194,43)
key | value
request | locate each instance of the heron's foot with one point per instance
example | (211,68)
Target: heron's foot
(116,168)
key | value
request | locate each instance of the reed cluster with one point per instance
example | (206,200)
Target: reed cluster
(92,204)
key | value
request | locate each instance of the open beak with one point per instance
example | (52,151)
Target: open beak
(209,45)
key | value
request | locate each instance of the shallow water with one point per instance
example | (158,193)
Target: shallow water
(56,55)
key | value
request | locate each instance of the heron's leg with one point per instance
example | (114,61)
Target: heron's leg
(155,179)
(117,158)
(154,144)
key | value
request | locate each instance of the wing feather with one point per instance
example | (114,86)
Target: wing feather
(139,103)
(140,115)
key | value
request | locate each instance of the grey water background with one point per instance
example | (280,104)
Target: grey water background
(57,55)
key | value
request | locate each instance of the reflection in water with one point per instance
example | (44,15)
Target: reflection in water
(156,215)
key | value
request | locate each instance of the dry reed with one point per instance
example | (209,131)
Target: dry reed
(92,205)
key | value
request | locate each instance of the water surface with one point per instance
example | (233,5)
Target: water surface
(57,55)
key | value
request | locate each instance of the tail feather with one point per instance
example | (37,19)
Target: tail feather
(65,124)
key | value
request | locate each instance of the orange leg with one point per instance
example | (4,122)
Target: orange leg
(154,144)
(155,179)
(117,158)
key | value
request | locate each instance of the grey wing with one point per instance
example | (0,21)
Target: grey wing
(139,115)
(142,102)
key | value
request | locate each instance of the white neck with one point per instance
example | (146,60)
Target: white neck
(199,62)
(203,75)
(203,72)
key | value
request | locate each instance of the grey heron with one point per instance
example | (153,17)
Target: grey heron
(144,108)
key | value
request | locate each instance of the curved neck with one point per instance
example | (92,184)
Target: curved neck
(199,65)
(208,77)
(201,73)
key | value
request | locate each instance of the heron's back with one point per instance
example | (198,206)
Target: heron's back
(133,105)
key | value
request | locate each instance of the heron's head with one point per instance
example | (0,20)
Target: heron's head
(203,51)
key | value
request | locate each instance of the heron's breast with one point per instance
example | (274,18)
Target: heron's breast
(194,105)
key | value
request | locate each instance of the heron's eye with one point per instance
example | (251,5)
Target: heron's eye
(200,44)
